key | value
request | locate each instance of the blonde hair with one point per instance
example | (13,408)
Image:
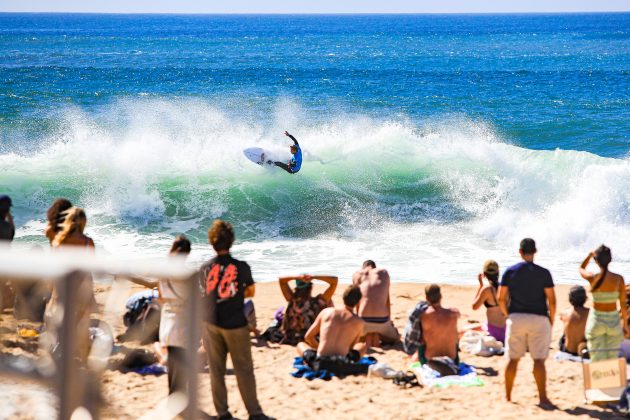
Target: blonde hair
(74,221)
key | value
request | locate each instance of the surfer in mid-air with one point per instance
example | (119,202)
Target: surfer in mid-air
(295,163)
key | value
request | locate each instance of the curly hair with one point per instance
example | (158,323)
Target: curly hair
(221,235)
(74,220)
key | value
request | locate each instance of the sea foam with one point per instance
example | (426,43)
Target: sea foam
(445,188)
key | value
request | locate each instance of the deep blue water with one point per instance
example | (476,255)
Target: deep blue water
(543,81)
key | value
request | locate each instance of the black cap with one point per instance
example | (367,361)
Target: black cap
(5,201)
(528,246)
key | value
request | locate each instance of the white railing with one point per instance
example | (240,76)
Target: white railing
(78,388)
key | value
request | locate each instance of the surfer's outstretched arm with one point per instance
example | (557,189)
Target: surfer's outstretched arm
(283,166)
(286,133)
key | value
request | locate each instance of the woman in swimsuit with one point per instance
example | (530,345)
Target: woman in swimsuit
(604,331)
(69,233)
(487,295)
(302,307)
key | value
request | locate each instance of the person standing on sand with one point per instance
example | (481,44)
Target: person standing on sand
(7,227)
(225,282)
(55,217)
(339,330)
(604,329)
(70,235)
(531,311)
(174,319)
(374,307)
(487,296)
(7,232)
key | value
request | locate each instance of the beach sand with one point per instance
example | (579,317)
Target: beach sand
(130,395)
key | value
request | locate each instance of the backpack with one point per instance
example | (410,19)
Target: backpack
(142,318)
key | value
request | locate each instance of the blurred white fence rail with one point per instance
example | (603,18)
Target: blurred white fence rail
(78,388)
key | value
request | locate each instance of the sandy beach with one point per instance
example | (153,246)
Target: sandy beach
(130,395)
(285,397)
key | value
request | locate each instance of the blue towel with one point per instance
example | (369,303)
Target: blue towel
(154,369)
(305,371)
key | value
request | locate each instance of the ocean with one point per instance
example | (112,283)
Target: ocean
(431,142)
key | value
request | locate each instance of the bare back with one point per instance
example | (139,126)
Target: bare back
(339,331)
(612,282)
(439,331)
(374,285)
(574,327)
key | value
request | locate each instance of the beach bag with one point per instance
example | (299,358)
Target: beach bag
(443,365)
(142,318)
(273,333)
(624,401)
(338,365)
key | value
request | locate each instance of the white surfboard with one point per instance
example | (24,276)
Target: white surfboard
(259,156)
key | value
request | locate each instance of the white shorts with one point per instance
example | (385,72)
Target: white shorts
(527,332)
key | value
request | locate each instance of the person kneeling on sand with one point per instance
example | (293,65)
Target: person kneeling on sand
(374,307)
(573,340)
(439,329)
(339,331)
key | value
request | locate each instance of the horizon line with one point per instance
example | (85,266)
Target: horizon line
(323,13)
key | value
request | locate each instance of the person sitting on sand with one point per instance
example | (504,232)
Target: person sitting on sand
(573,340)
(487,296)
(374,307)
(339,330)
(303,308)
(439,328)
(604,327)
(529,289)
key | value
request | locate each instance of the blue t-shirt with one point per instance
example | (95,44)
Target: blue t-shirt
(526,283)
(296,160)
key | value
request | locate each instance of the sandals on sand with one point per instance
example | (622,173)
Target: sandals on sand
(406,379)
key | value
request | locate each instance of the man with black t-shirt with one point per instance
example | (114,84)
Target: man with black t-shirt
(225,282)
(529,290)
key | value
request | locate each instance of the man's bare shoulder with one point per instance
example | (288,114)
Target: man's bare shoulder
(357,318)
(327,312)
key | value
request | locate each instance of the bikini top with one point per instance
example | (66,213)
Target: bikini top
(605,297)
(485,303)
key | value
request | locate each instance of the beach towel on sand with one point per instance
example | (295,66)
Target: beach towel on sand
(564,356)
(305,371)
(430,378)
